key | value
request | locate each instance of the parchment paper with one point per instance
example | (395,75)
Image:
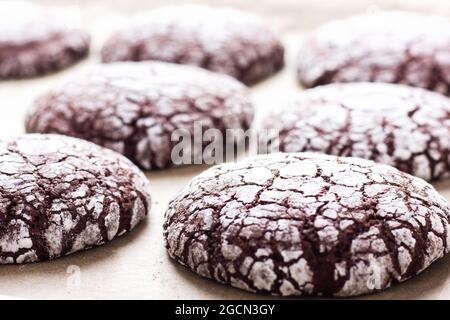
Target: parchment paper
(136,265)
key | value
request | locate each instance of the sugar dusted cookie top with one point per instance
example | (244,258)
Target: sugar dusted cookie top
(135,107)
(35,40)
(405,127)
(59,195)
(219,39)
(307,224)
(387,46)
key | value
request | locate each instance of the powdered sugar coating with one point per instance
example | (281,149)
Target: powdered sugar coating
(219,39)
(133,108)
(59,195)
(405,127)
(307,224)
(35,40)
(387,46)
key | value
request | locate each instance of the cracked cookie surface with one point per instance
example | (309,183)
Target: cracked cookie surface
(59,195)
(392,46)
(134,108)
(405,127)
(223,40)
(35,41)
(307,224)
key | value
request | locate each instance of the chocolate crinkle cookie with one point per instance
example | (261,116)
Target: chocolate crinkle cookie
(139,108)
(219,39)
(402,126)
(59,195)
(307,224)
(387,46)
(35,40)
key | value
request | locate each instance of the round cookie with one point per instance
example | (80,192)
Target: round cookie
(59,195)
(402,126)
(35,40)
(135,107)
(392,46)
(307,224)
(223,40)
